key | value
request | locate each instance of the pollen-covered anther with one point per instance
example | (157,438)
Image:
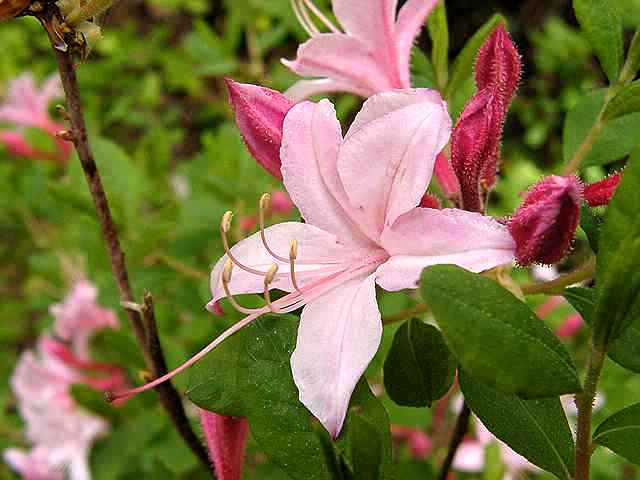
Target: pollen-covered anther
(226,280)
(268,279)
(293,255)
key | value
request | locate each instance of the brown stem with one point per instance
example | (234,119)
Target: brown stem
(168,395)
(585,272)
(460,430)
(403,314)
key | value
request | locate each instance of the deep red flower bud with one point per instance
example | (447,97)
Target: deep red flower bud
(599,193)
(498,64)
(260,114)
(226,438)
(544,225)
(446,177)
(475,142)
(430,201)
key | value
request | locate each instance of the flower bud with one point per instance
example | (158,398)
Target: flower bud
(446,177)
(570,327)
(475,142)
(599,193)
(260,114)
(12,8)
(544,225)
(281,203)
(226,439)
(430,201)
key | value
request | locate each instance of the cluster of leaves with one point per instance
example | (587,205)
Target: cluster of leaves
(173,162)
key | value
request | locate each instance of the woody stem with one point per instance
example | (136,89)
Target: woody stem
(147,338)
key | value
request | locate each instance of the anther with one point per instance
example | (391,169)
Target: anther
(225,226)
(268,279)
(293,255)
(226,279)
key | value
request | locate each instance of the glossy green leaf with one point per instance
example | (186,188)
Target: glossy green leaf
(625,350)
(625,102)
(366,448)
(616,140)
(633,54)
(621,433)
(422,73)
(419,368)
(601,22)
(536,429)
(497,338)
(251,377)
(464,63)
(618,268)
(439,33)
(591,224)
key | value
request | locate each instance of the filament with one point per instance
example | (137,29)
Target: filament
(226,279)
(264,207)
(225,225)
(311,30)
(268,279)
(293,254)
(318,13)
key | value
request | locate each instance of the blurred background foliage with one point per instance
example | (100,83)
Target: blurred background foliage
(173,162)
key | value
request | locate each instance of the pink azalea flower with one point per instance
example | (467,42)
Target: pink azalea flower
(26,105)
(359,196)
(470,456)
(419,443)
(370,55)
(79,317)
(226,439)
(33,465)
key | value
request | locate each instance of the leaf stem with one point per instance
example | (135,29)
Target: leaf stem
(585,272)
(404,314)
(147,337)
(584,402)
(460,430)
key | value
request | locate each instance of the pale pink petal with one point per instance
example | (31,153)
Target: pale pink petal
(338,336)
(411,18)
(388,155)
(469,457)
(342,58)
(310,143)
(373,23)
(303,89)
(425,237)
(516,463)
(313,245)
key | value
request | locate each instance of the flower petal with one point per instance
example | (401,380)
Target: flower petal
(313,244)
(338,336)
(469,457)
(427,237)
(310,143)
(411,18)
(304,89)
(385,169)
(342,58)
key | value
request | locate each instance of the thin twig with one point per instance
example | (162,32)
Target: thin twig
(460,430)
(167,394)
(585,272)
(403,314)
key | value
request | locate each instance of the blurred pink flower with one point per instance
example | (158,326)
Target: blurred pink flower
(226,439)
(34,465)
(419,443)
(26,105)
(281,203)
(371,55)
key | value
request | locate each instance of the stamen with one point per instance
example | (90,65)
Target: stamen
(265,201)
(311,30)
(225,225)
(226,279)
(293,254)
(318,13)
(305,14)
(268,279)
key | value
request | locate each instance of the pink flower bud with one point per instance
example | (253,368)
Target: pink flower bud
(226,438)
(570,327)
(544,225)
(475,142)
(599,193)
(430,201)
(281,203)
(260,114)
(248,223)
(446,177)
(419,443)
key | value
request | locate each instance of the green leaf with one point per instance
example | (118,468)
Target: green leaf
(621,433)
(591,224)
(464,63)
(625,350)
(625,102)
(616,140)
(256,383)
(498,339)
(422,73)
(370,417)
(633,55)
(601,22)
(618,267)
(419,368)
(439,33)
(536,429)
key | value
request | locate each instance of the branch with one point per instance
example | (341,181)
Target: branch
(148,340)
(460,430)
(555,287)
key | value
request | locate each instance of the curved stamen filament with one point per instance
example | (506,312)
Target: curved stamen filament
(268,279)
(225,225)
(226,279)
(321,16)
(264,207)
(311,30)
(293,254)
